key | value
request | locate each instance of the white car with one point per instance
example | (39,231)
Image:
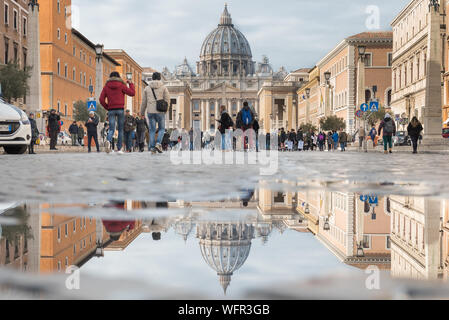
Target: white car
(64,139)
(15,129)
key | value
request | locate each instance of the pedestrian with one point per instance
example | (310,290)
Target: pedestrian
(130,126)
(283,139)
(53,128)
(104,132)
(34,133)
(245,121)
(321,140)
(343,139)
(373,135)
(335,138)
(226,124)
(153,95)
(330,141)
(92,131)
(300,139)
(362,137)
(112,98)
(81,135)
(268,141)
(142,128)
(414,131)
(73,130)
(388,127)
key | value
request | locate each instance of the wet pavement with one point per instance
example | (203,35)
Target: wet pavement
(140,226)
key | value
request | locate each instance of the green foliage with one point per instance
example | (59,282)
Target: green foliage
(375,117)
(14,81)
(332,123)
(81,114)
(13,232)
(306,127)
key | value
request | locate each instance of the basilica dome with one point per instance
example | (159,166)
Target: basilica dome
(225,51)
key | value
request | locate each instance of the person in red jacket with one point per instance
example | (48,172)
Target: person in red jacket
(112,98)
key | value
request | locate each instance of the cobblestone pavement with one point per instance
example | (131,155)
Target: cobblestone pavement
(142,176)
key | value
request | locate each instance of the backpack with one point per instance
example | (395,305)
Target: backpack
(247,118)
(389,127)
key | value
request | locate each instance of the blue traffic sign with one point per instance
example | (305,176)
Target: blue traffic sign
(363,198)
(374,106)
(91,106)
(373,200)
(364,107)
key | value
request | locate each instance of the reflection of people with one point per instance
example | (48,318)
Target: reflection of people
(247,195)
(156,236)
(115,228)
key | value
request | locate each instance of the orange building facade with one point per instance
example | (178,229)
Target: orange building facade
(68,60)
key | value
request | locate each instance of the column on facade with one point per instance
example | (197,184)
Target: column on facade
(239,105)
(257,107)
(230,106)
(208,115)
(203,115)
(217,112)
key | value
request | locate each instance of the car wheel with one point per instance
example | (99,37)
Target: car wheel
(15,149)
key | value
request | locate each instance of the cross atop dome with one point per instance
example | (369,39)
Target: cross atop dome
(225,19)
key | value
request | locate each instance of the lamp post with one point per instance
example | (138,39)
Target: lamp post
(328,107)
(307,105)
(99,51)
(361,87)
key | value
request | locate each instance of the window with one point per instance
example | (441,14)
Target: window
(74,74)
(389,97)
(25,25)
(66,261)
(25,60)
(366,242)
(59,265)
(368,59)
(65,38)
(66,229)
(367,96)
(388,242)
(74,248)
(15,20)
(58,69)
(58,5)
(65,110)
(59,233)
(390,59)
(66,70)
(6,50)
(58,34)
(6,14)
(59,106)
(74,226)
(74,51)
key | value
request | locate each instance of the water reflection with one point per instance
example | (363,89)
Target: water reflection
(405,236)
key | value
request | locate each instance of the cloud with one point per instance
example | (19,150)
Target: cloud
(292,33)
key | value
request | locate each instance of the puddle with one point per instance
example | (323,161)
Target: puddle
(283,239)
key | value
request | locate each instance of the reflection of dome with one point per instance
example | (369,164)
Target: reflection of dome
(225,247)
(264,231)
(226,50)
(183,228)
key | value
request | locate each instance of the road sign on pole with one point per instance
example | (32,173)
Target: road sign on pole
(359,114)
(373,200)
(374,106)
(91,106)
(363,198)
(364,107)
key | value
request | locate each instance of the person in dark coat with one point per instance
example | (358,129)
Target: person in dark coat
(54,127)
(73,130)
(34,133)
(92,132)
(130,126)
(245,121)
(226,123)
(141,128)
(81,135)
(414,130)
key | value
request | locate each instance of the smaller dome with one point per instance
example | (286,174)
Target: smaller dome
(184,70)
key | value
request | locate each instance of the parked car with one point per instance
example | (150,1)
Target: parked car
(15,129)
(402,139)
(446,133)
(64,139)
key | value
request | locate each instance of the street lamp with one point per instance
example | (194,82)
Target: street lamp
(360,252)
(327,76)
(307,209)
(308,93)
(326,226)
(99,48)
(362,50)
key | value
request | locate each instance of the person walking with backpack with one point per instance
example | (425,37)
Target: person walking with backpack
(373,135)
(92,131)
(321,140)
(155,102)
(343,139)
(414,130)
(130,126)
(245,121)
(330,141)
(226,124)
(112,98)
(388,128)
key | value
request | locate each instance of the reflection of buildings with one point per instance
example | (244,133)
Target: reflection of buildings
(225,246)
(352,230)
(415,237)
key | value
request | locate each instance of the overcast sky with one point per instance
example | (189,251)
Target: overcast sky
(292,33)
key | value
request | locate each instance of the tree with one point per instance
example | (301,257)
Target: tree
(332,123)
(14,231)
(306,127)
(14,81)
(375,117)
(81,114)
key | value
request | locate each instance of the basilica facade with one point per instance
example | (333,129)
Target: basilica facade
(226,74)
